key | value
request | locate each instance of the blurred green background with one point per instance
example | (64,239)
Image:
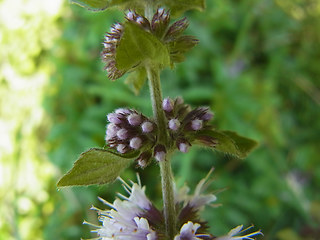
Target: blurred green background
(257,66)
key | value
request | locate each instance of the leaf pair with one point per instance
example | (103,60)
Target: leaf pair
(99,166)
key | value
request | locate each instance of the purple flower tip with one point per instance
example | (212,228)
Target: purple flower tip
(122,111)
(174,124)
(183,147)
(147,127)
(160,156)
(167,105)
(114,118)
(207,116)
(122,134)
(135,143)
(196,124)
(121,148)
(134,119)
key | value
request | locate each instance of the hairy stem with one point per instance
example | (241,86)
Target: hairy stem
(165,166)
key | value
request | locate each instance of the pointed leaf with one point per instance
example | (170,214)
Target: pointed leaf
(138,46)
(96,166)
(94,5)
(100,5)
(178,7)
(229,142)
(245,145)
(136,80)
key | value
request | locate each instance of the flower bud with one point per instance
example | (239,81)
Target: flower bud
(144,159)
(134,119)
(174,124)
(167,105)
(147,127)
(135,143)
(122,134)
(183,145)
(177,28)
(114,118)
(112,130)
(196,124)
(122,111)
(122,148)
(160,153)
(207,116)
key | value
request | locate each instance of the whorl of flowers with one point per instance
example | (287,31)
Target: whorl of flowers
(128,130)
(183,123)
(159,27)
(136,218)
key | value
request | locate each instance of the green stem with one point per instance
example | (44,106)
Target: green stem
(156,100)
(165,166)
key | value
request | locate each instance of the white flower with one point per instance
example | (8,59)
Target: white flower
(188,232)
(238,230)
(123,221)
(198,200)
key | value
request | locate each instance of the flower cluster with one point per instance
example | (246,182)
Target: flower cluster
(129,130)
(158,26)
(183,123)
(136,218)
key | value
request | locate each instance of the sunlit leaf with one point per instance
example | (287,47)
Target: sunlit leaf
(228,142)
(136,80)
(96,166)
(100,5)
(138,46)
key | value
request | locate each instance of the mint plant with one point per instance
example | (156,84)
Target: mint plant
(140,47)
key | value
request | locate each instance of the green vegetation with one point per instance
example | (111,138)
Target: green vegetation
(256,66)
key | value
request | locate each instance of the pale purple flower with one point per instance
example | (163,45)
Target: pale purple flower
(135,143)
(114,118)
(134,119)
(121,148)
(122,111)
(167,105)
(184,147)
(196,124)
(174,124)
(147,127)
(136,218)
(207,116)
(122,134)
(123,221)
(188,232)
(160,156)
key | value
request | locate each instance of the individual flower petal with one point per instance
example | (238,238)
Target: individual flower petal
(189,232)
(239,230)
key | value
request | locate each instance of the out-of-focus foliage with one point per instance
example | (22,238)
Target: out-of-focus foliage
(256,66)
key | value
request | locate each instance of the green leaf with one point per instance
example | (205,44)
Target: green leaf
(178,7)
(94,5)
(136,80)
(137,47)
(230,142)
(100,5)
(96,166)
